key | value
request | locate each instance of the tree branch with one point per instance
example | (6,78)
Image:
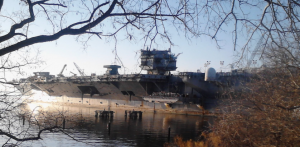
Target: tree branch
(21,24)
(29,138)
(66,31)
(1,4)
(13,28)
(92,15)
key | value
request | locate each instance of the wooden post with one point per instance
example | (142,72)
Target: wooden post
(64,123)
(108,126)
(23,117)
(82,97)
(169,134)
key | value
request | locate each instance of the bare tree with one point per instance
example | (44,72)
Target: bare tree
(246,21)
(150,21)
(95,18)
(265,110)
(39,21)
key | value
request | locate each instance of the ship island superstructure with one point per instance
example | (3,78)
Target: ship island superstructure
(131,89)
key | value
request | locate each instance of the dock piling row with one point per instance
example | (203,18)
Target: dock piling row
(104,113)
(133,114)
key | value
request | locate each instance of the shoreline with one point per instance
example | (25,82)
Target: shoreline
(200,112)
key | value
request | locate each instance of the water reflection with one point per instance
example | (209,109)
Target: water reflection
(84,129)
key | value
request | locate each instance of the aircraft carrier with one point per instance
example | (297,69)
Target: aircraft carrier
(191,89)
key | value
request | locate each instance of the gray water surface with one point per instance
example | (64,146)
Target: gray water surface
(151,130)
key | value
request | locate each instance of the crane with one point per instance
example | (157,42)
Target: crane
(62,70)
(79,70)
(257,47)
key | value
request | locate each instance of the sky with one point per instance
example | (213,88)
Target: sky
(66,50)
(99,53)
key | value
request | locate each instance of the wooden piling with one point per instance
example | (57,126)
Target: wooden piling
(64,123)
(108,125)
(23,117)
(133,114)
(105,114)
(169,134)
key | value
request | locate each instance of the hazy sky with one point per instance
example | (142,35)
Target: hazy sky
(99,52)
(66,51)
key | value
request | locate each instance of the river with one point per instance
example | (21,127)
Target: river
(89,131)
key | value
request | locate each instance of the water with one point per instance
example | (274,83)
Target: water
(150,130)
